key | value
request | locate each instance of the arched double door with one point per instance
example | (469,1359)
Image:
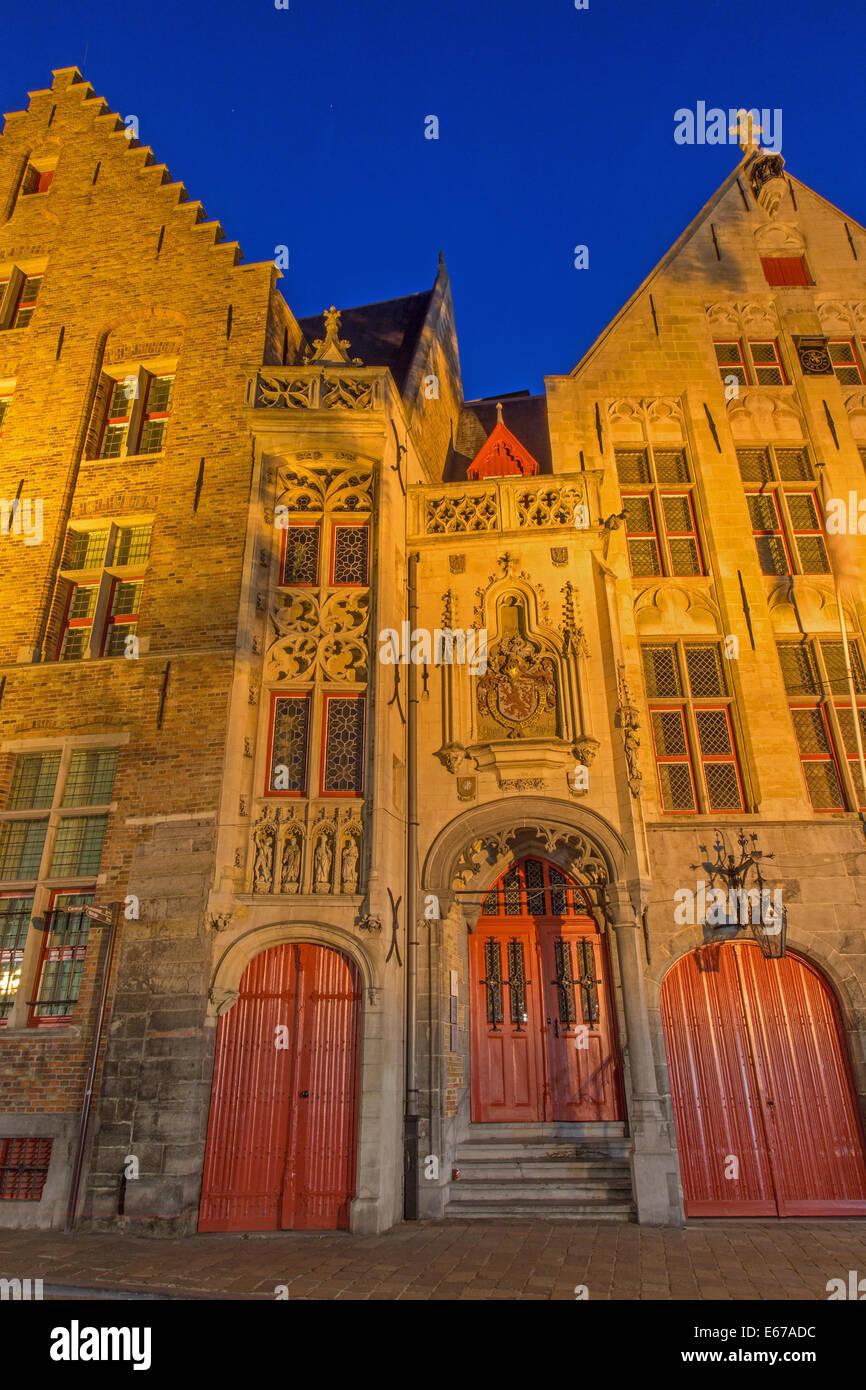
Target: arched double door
(281,1140)
(543,1037)
(766,1115)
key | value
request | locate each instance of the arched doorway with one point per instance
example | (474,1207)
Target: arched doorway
(281,1144)
(542,1033)
(766,1116)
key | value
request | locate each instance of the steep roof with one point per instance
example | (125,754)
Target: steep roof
(702,217)
(383,334)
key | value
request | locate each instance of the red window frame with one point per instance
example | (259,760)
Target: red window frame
(284,695)
(811,531)
(680,535)
(785,270)
(342,695)
(35,1020)
(12,951)
(119,619)
(110,419)
(294,583)
(839,706)
(830,757)
(698,707)
(856,363)
(653,535)
(725,368)
(678,707)
(68,622)
(349,526)
(764,366)
(764,534)
(148,415)
(22,304)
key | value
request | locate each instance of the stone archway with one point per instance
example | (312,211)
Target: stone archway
(370,1204)
(282,1133)
(474,848)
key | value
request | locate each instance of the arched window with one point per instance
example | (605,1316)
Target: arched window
(534,888)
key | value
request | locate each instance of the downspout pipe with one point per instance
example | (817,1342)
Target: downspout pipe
(87,1101)
(410,1126)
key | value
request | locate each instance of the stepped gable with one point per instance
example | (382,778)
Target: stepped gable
(524,418)
(54,111)
(383,334)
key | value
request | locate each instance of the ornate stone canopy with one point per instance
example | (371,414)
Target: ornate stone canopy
(470,853)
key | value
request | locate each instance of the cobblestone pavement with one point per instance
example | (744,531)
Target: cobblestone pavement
(455,1260)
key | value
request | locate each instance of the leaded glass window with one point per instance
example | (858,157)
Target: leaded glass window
(344,745)
(351,554)
(289,743)
(693,742)
(301,555)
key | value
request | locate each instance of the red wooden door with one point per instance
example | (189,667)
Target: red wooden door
(766,1117)
(582,1057)
(505,1024)
(542,1035)
(281,1137)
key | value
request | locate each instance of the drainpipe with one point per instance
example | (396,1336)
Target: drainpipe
(410,1125)
(84,1121)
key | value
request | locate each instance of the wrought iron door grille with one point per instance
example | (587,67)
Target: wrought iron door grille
(517,983)
(493,981)
(565,983)
(588,982)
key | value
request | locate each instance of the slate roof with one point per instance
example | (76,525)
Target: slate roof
(383,334)
(525,416)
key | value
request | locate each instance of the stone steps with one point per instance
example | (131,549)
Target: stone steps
(562,1172)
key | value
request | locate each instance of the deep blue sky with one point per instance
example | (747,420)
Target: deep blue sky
(305,127)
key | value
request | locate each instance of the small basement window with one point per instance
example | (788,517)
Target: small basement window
(23,1169)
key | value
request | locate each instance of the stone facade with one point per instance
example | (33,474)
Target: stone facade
(276,425)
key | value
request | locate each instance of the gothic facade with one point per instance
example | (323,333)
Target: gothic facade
(416,757)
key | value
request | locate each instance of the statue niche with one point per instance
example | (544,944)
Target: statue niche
(517,696)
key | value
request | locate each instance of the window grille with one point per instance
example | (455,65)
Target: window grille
(693,741)
(23,1168)
(824,728)
(786,522)
(661,526)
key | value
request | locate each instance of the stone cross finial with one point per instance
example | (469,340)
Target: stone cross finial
(332,348)
(747,130)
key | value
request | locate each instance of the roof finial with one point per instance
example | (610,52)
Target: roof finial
(499,412)
(746,130)
(331,348)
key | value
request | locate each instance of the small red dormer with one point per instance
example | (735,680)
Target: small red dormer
(502,455)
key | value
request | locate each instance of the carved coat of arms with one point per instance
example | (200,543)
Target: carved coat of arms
(518,691)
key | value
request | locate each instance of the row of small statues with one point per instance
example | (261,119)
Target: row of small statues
(263,873)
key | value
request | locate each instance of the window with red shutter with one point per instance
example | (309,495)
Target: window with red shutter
(785,270)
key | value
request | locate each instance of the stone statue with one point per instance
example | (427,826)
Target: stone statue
(291,864)
(264,865)
(349,866)
(323,865)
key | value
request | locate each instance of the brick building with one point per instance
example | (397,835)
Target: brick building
(407,738)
